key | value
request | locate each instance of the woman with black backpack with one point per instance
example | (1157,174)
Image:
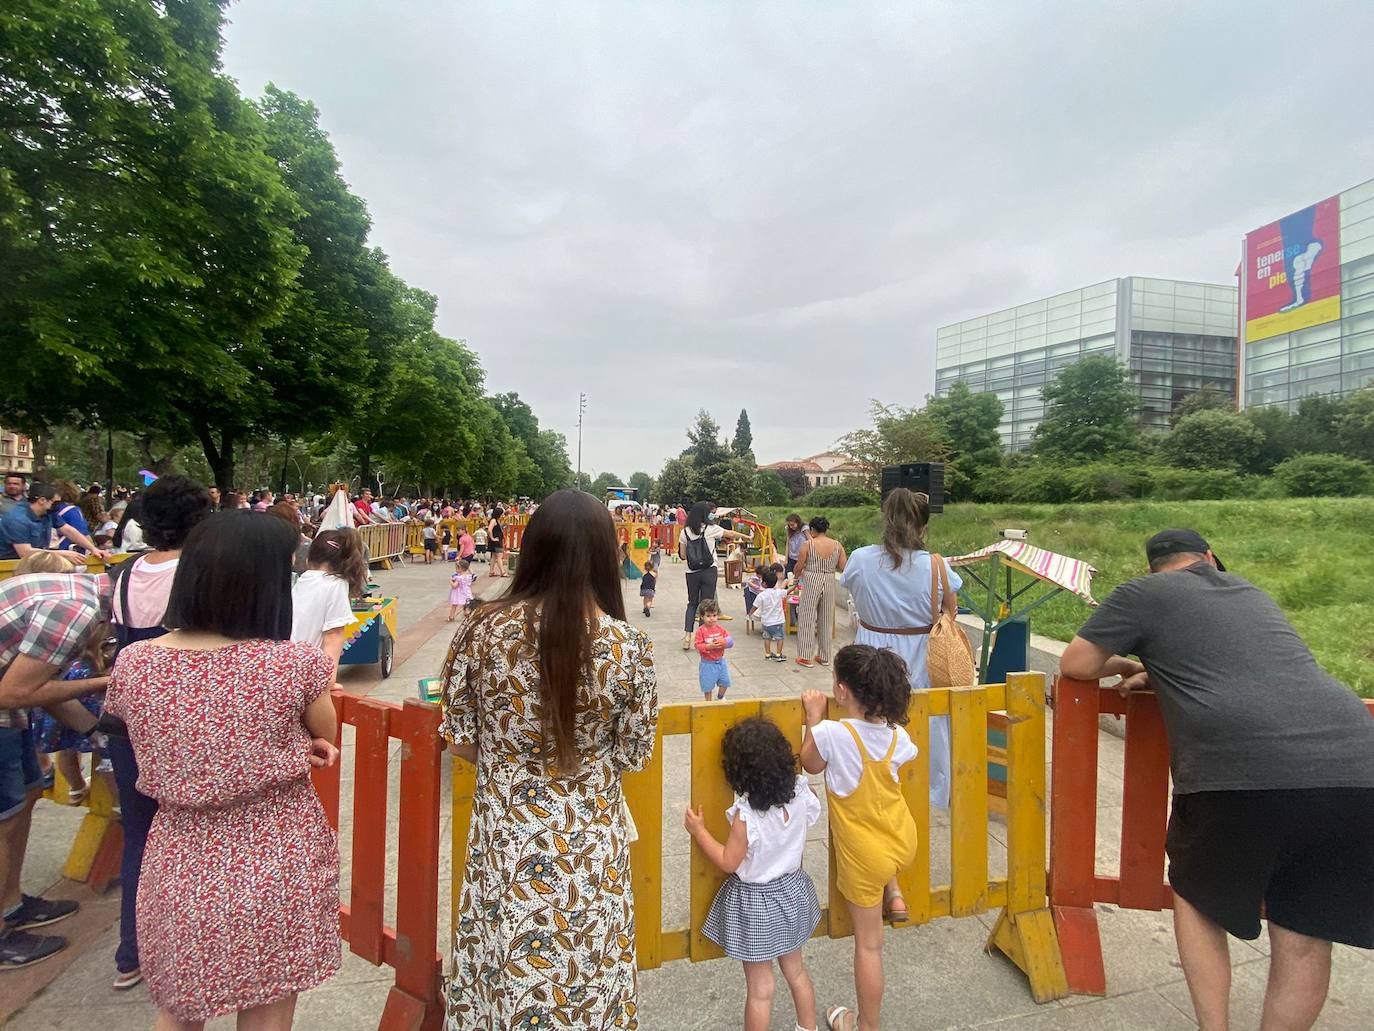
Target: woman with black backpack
(696,546)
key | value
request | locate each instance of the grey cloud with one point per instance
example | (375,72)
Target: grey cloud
(773,206)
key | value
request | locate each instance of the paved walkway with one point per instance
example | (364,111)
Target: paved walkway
(937,975)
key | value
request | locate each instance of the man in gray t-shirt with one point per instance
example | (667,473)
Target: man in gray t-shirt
(1273,770)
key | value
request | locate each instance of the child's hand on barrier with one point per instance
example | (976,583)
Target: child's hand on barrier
(693,821)
(814,703)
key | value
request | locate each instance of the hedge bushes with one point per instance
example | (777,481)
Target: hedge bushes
(841,495)
(1317,476)
(1044,482)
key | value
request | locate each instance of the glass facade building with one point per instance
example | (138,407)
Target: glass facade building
(1320,339)
(1175,338)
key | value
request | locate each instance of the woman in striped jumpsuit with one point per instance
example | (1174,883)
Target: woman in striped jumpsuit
(817,564)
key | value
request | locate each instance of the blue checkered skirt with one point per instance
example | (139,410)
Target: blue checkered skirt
(757,923)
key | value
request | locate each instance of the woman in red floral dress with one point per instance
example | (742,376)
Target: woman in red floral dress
(238,900)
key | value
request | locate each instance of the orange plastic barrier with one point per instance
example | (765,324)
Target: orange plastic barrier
(415,1002)
(665,536)
(1074,884)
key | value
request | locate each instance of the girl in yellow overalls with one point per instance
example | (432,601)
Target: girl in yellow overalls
(870,824)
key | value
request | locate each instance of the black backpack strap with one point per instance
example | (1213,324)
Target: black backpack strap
(119,584)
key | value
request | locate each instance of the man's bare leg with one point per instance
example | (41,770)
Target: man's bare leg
(1206,959)
(1299,975)
(14,841)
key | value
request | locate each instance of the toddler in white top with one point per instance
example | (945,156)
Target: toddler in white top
(767,908)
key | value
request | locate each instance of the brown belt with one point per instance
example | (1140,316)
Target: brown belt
(906,631)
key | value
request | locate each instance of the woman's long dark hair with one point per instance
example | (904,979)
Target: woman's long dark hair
(569,567)
(234,578)
(697,517)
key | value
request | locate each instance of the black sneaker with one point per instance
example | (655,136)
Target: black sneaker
(35,912)
(21,949)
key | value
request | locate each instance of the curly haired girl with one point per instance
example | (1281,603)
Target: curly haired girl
(767,908)
(873,833)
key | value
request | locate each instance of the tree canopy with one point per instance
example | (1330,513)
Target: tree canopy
(191,267)
(1089,412)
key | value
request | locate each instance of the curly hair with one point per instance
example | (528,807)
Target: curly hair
(172,506)
(819,524)
(759,763)
(877,679)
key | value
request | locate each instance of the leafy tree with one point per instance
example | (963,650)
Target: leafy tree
(768,489)
(794,480)
(742,445)
(1201,401)
(1213,439)
(145,234)
(1355,428)
(726,483)
(552,459)
(1315,424)
(547,451)
(605,482)
(898,435)
(583,481)
(676,483)
(703,441)
(1276,427)
(969,423)
(644,483)
(1089,413)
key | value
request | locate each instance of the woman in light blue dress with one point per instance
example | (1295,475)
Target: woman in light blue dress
(891,587)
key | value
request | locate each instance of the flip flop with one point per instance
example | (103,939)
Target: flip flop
(834,1018)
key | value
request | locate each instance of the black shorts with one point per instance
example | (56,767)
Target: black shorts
(431,544)
(1306,855)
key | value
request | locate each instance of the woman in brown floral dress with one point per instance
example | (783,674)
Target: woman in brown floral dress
(553,695)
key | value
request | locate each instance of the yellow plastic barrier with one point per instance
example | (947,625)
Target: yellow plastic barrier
(92,565)
(95,851)
(1024,930)
(384,542)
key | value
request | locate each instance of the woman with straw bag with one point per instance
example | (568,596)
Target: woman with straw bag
(906,602)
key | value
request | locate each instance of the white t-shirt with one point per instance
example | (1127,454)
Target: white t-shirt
(777,836)
(843,765)
(319,602)
(768,606)
(710,531)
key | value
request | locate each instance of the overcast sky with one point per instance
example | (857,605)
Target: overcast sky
(774,206)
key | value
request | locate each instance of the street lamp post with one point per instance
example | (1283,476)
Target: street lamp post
(581,412)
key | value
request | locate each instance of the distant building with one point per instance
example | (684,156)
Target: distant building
(824,470)
(1175,338)
(16,453)
(1307,302)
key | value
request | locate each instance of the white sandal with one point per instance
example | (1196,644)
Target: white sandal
(834,1018)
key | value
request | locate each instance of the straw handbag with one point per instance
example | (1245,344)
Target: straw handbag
(949,656)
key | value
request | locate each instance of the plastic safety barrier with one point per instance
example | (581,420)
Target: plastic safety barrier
(384,542)
(1074,884)
(411,947)
(1024,930)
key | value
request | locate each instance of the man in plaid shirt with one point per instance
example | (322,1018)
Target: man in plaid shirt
(45,619)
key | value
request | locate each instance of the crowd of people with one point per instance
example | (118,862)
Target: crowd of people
(201,669)
(552,693)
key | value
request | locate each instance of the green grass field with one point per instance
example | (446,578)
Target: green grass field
(1315,556)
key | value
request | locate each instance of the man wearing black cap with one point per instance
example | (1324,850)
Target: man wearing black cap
(1273,770)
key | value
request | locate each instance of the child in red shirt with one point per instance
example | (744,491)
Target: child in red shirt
(711,641)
